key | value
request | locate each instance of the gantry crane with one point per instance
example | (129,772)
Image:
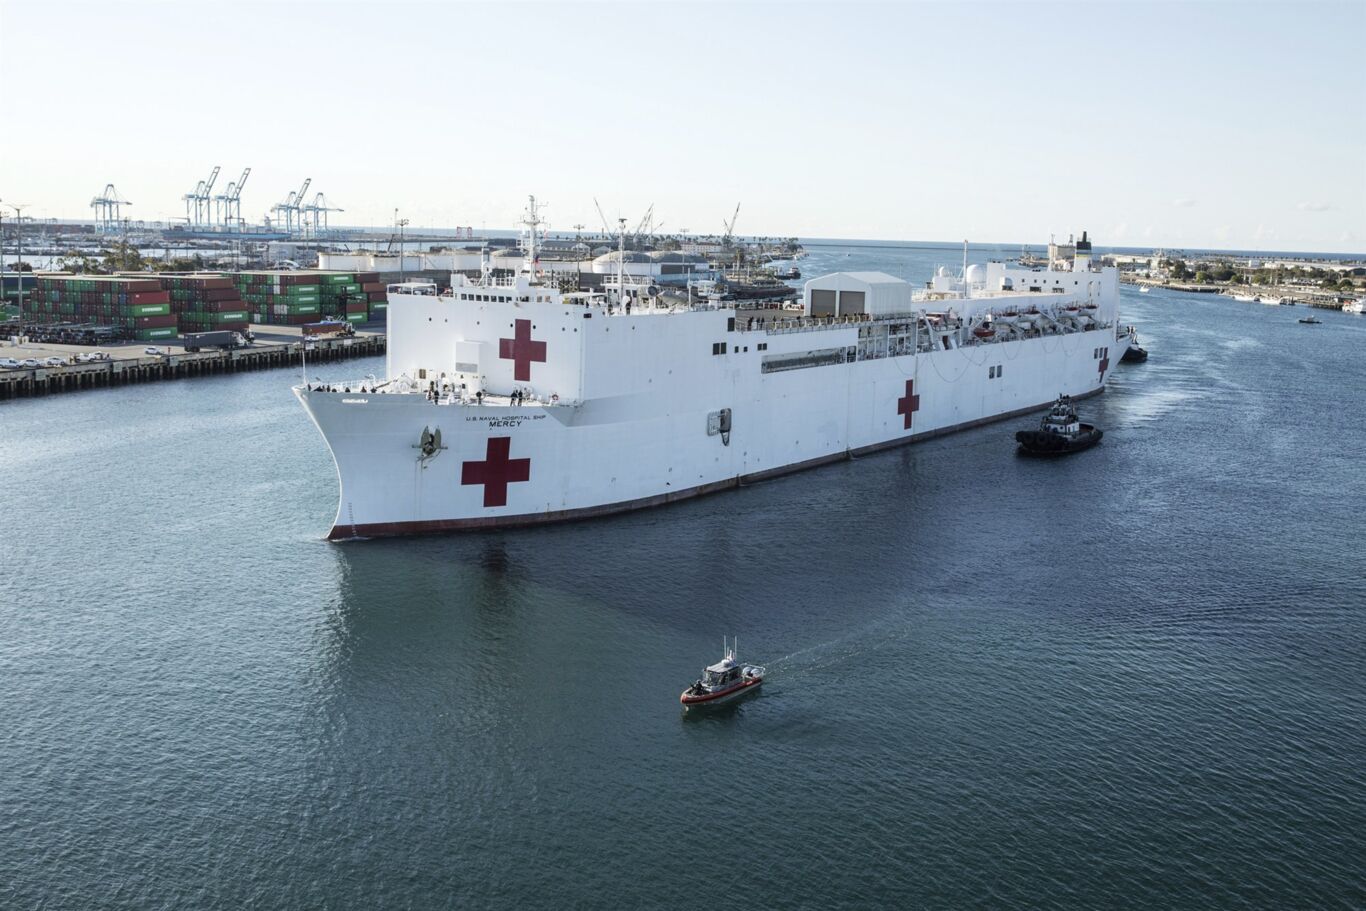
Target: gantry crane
(107,211)
(292,208)
(318,209)
(229,202)
(208,192)
(200,200)
(192,198)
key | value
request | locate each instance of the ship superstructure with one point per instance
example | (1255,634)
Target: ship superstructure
(508,402)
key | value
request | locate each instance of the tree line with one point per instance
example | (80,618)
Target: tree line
(1204,273)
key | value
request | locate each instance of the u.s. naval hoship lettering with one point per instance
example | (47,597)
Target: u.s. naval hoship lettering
(512,420)
(561,406)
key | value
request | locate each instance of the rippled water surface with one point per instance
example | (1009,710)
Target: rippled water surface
(1131,678)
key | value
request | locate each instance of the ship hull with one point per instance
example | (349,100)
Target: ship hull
(541,463)
(724,696)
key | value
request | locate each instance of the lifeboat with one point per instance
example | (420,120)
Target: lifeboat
(984,331)
(723,681)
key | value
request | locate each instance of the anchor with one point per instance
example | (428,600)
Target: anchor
(428,445)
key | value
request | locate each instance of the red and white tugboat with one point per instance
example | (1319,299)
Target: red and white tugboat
(726,679)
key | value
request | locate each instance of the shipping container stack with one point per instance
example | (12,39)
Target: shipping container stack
(139,307)
(342,297)
(205,301)
(280,298)
(375,296)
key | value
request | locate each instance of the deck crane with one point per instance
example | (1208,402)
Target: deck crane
(606,231)
(106,206)
(229,202)
(645,226)
(729,236)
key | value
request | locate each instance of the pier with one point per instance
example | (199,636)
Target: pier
(132,365)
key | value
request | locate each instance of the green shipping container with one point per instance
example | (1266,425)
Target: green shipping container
(147,335)
(149,309)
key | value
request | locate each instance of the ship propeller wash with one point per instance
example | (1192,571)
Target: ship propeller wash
(509,402)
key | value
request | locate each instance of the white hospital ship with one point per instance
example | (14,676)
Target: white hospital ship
(508,402)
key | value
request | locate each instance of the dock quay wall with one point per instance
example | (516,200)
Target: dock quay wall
(121,371)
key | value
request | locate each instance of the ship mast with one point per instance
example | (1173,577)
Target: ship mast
(967,292)
(621,264)
(533,222)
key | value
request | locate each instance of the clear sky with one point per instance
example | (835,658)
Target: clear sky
(1235,125)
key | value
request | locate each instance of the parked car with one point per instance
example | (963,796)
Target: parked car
(98,356)
(53,362)
(29,362)
(9,363)
(151,350)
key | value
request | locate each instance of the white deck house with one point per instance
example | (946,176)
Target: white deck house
(846,293)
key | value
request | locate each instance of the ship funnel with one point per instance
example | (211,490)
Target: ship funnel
(1081,260)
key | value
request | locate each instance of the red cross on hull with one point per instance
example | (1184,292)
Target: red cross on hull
(1104,364)
(521,350)
(909,403)
(496,472)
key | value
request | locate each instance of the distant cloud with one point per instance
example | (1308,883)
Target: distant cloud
(1314,206)
(1223,232)
(1120,230)
(1347,237)
(1183,203)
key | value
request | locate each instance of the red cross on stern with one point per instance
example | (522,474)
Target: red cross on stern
(496,472)
(909,403)
(521,350)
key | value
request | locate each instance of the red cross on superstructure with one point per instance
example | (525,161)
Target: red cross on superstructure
(496,472)
(909,403)
(521,350)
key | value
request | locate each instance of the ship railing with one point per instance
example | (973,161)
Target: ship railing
(490,281)
(811,323)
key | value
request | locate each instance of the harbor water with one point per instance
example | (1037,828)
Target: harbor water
(1129,678)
